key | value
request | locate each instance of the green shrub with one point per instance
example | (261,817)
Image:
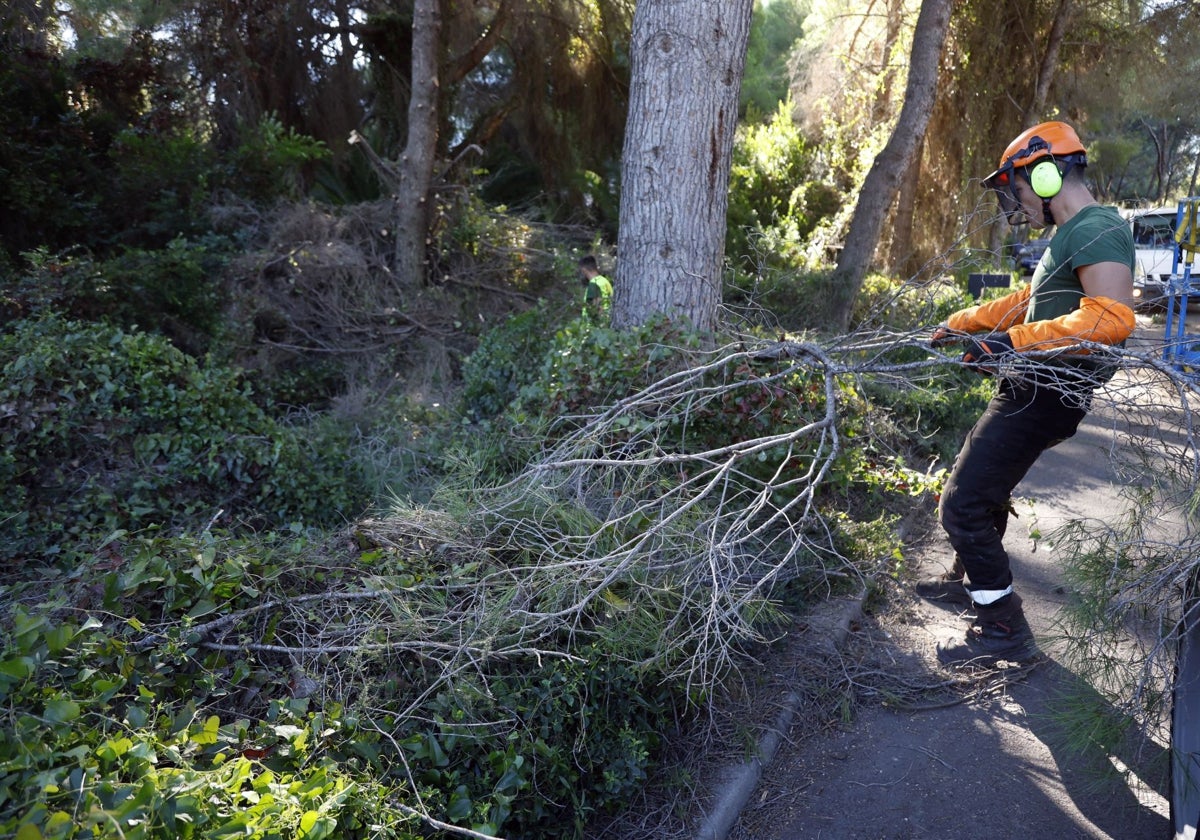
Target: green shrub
(161,183)
(271,161)
(589,730)
(798,300)
(780,298)
(174,291)
(900,305)
(105,429)
(102,734)
(136,723)
(775,198)
(588,366)
(509,357)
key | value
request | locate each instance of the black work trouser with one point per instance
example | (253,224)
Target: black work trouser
(1021,422)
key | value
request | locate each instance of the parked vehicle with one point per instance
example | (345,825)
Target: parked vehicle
(1154,253)
(1026,255)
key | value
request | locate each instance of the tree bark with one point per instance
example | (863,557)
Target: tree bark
(881,108)
(883,180)
(415,167)
(900,258)
(1058,32)
(688,57)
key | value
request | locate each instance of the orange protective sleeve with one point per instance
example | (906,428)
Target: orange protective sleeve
(995,315)
(1099,319)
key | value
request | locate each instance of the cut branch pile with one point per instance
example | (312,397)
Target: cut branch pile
(627,531)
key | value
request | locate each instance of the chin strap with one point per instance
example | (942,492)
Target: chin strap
(1047,213)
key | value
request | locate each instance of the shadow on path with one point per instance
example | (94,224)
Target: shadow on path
(998,767)
(1004,765)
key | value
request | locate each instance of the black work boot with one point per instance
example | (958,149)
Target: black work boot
(946,588)
(999,633)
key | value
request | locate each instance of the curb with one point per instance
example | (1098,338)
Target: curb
(742,779)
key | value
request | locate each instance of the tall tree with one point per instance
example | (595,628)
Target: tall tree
(416,162)
(1049,66)
(410,178)
(688,59)
(883,180)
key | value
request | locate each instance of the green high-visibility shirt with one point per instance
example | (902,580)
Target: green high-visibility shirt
(598,287)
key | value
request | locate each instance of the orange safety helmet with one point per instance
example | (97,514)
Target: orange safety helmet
(1050,143)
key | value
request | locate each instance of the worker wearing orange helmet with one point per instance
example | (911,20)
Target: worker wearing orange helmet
(1045,344)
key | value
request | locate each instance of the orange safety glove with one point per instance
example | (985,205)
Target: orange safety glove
(1098,319)
(994,316)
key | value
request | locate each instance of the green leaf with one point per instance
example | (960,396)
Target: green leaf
(320,829)
(208,735)
(136,716)
(202,608)
(513,780)
(460,804)
(18,668)
(29,831)
(61,711)
(59,820)
(59,637)
(26,629)
(113,749)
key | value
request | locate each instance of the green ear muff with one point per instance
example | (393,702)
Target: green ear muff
(1045,179)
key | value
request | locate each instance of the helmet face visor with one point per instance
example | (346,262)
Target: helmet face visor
(1003,183)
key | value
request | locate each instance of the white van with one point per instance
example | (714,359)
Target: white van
(1154,252)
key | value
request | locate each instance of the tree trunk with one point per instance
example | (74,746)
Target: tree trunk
(883,181)
(415,167)
(881,108)
(900,259)
(688,57)
(1058,31)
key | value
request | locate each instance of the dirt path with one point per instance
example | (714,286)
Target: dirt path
(997,766)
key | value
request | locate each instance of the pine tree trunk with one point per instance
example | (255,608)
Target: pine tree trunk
(900,259)
(688,59)
(883,180)
(1049,65)
(415,167)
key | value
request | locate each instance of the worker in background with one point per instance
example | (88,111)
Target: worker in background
(597,295)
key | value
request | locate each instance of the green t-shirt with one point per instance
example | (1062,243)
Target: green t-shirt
(1095,234)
